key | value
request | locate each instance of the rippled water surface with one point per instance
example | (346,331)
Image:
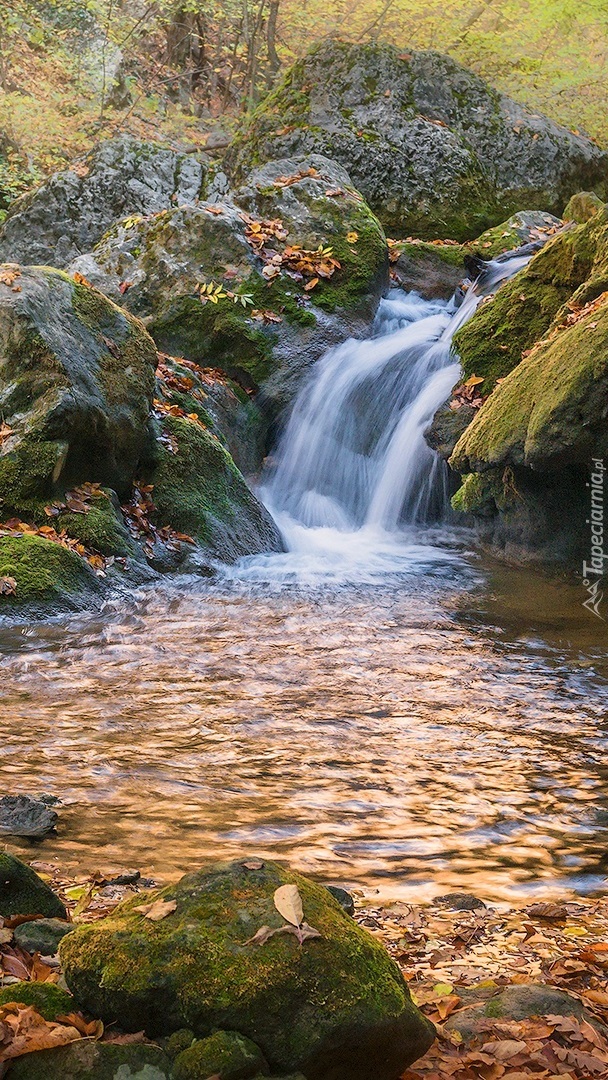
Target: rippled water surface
(413,723)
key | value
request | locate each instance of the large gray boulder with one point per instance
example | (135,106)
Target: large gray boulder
(334,1007)
(72,210)
(434,149)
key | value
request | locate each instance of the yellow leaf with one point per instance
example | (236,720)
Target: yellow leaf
(288,903)
(352,237)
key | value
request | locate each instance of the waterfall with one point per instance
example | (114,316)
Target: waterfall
(353,455)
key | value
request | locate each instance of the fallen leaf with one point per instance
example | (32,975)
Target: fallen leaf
(157,910)
(288,903)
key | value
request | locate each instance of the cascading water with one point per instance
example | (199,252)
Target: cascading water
(353,456)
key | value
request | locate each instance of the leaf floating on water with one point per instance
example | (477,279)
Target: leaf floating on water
(288,903)
(158,910)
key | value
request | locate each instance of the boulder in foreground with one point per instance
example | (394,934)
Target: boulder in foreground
(334,1007)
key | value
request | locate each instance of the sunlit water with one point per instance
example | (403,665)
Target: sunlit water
(378,705)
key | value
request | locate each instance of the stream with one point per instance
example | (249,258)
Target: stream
(380,704)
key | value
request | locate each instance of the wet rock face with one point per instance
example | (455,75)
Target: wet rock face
(434,149)
(334,1008)
(21,815)
(72,210)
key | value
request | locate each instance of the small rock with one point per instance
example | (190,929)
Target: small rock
(86,1060)
(225,1054)
(22,892)
(217,140)
(343,897)
(20,815)
(459,901)
(42,936)
(47,998)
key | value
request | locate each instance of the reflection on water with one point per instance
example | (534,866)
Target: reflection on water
(440,725)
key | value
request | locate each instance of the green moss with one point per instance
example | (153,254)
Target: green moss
(199,489)
(225,1054)
(494,1008)
(22,892)
(47,998)
(28,472)
(42,570)
(100,530)
(219,335)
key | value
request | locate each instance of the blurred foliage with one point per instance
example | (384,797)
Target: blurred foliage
(187,64)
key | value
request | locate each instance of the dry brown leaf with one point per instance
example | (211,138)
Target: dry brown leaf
(288,903)
(157,910)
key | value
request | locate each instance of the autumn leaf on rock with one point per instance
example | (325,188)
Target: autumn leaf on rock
(288,903)
(8,586)
(23,1031)
(157,910)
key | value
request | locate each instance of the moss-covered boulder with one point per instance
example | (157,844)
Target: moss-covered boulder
(72,210)
(22,892)
(533,443)
(264,318)
(336,1006)
(571,268)
(76,385)
(434,149)
(86,1060)
(198,490)
(225,1054)
(47,998)
(550,411)
(43,572)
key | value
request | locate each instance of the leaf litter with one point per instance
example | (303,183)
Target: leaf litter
(455,962)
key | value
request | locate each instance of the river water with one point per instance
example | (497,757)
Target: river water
(380,705)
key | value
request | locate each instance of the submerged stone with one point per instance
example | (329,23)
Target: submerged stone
(197,968)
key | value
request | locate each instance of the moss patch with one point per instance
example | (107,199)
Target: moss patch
(42,570)
(47,998)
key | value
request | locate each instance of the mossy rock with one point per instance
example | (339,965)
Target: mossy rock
(436,269)
(341,220)
(199,491)
(22,892)
(72,210)
(76,385)
(337,1006)
(550,411)
(42,935)
(48,999)
(166,258)
(43,572)
(86,1060)
(222,406)
(434,149)
(582,206)
(573,266)
(225,1054)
